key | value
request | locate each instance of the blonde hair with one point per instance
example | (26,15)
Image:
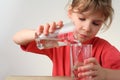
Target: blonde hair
(103,6)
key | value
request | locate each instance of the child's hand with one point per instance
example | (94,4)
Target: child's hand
(48,28)
(92,68)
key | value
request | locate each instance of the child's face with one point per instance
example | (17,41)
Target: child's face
(87,24)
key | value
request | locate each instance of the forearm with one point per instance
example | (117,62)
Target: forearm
(24,37)
(112,74)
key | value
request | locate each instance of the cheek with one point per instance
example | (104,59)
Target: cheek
(94,31)
(75,19)
(78,24)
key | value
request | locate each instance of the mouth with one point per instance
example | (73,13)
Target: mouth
(81,37)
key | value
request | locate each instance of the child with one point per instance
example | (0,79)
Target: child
(88,16)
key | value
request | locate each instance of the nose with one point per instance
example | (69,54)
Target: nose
(86,26)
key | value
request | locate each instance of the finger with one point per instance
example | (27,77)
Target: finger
(59,24)
(87,74)
(88,67)
(39,30)
(52,27)
(46,29)
(91,60)
(36,36)
(90,73)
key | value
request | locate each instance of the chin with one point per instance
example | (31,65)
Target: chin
(83,41)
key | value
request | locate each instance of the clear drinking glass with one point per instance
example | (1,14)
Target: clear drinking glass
(79,54)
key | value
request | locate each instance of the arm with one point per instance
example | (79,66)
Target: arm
(23,37)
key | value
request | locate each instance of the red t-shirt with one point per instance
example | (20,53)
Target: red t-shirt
(106,54)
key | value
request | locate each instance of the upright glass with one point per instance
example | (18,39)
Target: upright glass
(79,54)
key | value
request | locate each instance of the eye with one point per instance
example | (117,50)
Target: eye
(82,19)
(95,23)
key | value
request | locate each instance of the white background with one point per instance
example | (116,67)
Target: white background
(16,15)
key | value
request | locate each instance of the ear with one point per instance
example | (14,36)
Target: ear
(69,12)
